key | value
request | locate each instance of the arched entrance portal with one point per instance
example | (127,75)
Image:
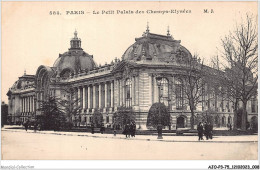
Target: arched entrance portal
(180,122)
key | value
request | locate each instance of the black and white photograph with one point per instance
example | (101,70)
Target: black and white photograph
(156,80)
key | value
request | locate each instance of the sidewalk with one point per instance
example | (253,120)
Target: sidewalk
(216,139)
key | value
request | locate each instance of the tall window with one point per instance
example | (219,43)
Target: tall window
(253,105)
(164,91)
(179,95)
(81,97)
(222,104)
(228,109)
(128,90)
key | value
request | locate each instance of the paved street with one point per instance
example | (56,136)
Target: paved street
(19,144)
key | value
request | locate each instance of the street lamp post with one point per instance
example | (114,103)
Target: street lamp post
(35,110)
(159,127)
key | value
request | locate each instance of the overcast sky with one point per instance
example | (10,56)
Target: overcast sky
(32,37)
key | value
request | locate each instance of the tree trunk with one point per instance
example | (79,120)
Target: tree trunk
(244,116)
(192,116)
(235,116)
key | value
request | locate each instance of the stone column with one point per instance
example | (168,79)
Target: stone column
(94,96)
(138,90)
(122,92)
(156,95)
(32,103)
(28,101)
(24,100)
(112,94)
(26,104)
(84,97)
(150,89)
(105,94)
(133,91)
(22,104)
(20,107)
(99,95)
(36,95)
(119,93)
(79,98)
(88,96)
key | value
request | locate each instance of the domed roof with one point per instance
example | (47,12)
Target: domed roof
(156,47)
(74,60)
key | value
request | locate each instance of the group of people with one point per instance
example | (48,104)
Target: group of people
(102,128)
(129,130)
(206,129)
(28,124)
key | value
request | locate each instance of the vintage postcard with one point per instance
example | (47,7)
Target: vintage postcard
(130,81)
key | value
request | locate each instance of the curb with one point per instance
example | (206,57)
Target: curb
(123,138)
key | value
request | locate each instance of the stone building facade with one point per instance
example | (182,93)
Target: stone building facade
(129,82)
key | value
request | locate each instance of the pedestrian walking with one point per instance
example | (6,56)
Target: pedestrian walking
(134,129)
(206,130)
(131,129)
(35,126)
(92,128)
(210,130)
(26,125)
(114,127)
(200,131)
(126,130)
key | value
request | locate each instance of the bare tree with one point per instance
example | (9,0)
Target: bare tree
(228,91)
(240,53)
(193,81)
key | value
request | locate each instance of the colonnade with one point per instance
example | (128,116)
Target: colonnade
(100,95)
(27,104)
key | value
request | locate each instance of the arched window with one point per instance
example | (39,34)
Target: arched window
(217,121)
(128,92)
(164,91)
(179,95)
(223,121)
(230,119)
(65,73)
